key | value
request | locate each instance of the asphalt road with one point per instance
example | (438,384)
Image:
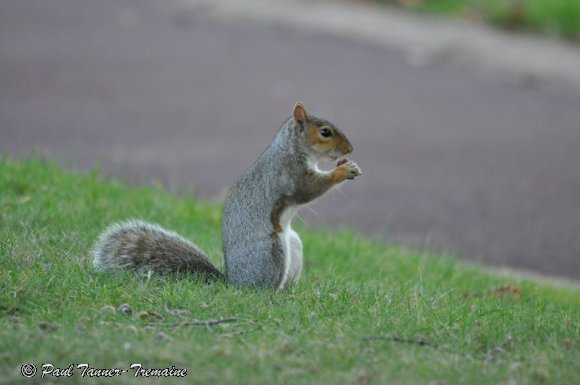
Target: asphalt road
(154,92)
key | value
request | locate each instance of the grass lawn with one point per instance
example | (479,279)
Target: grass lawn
(553,17)
(363,313)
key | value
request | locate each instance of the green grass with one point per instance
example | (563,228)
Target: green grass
(552,17)
(363,313)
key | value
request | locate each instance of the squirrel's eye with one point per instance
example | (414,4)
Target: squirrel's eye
(325,132)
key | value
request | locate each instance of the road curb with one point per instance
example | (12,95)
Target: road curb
(425,40)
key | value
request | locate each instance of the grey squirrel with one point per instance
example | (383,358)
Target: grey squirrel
(260,247)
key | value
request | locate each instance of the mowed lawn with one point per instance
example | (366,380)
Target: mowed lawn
(364,312)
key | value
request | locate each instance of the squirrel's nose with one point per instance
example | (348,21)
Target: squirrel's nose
(349,149)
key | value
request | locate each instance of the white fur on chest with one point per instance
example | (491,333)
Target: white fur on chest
(292,247)
(287,215)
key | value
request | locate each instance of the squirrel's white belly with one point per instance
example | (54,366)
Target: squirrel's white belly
(292,247)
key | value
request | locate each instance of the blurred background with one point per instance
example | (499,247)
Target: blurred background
(464,114)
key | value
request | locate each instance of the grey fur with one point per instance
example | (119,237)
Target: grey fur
(260,248)
(253,254)
(135,244)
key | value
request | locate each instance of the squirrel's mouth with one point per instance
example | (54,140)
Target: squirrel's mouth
(337,160)
(333,158)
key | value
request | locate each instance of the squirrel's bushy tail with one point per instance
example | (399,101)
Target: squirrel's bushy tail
(135,244)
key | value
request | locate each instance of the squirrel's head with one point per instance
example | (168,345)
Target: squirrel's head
(320,137)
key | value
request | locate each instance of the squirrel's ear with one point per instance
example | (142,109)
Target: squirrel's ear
(300,115)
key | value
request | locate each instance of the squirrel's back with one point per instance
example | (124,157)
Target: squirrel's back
(135,244)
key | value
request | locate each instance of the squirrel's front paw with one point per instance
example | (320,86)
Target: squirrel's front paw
(352,170)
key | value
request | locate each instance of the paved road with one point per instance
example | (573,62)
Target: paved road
(151,91)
